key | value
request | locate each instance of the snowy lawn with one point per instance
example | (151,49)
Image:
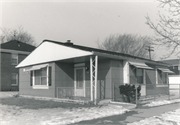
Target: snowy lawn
(161,102)
(169,118)
(28,111)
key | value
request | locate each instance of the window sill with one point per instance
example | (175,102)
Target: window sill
(161,85)
(14,84)
(40,87)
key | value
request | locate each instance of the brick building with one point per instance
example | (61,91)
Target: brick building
(12,53)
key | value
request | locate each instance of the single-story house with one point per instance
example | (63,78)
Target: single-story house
(65,70)
(174,78)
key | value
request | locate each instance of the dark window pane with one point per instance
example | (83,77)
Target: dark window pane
(79,78)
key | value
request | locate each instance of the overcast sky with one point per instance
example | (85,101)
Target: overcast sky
(84,23)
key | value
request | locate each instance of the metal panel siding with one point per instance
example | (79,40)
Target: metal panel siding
(151,82)
(26,89)
(104,74)
(64,75)
(162,90)
(117,78)
(150,76)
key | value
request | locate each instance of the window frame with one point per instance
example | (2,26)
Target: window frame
(47,79)
(16,57)
(15,79)
(143,76)
(162,74)
(133,69)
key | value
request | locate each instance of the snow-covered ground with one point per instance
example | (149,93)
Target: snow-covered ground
(161,102)
(168,118)
(14,115)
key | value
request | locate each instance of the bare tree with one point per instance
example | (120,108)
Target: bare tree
(127,43)
(16,34)
(168,27)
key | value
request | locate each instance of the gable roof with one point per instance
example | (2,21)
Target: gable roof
(98,51)
(17,45)
(49,51)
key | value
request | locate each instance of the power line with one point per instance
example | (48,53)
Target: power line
(149,48)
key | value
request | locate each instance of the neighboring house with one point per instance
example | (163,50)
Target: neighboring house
(12,53)
(174,66)
(174,78)
(64,70)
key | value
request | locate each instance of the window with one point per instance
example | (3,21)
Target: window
(139,75)
(14,59)
(136,75)
(162,79)
(79,78)
(40,78)
(14,79)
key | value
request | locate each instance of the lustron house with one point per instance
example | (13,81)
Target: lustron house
(65,70)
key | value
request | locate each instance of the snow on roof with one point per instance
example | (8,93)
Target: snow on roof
(48,52)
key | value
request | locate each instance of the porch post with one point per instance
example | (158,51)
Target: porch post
(96,66)
(93,77)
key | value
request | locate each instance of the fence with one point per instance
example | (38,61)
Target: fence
(151,92)
(65,92)
(162,91)
(174,91)
(69,93)
(148,92)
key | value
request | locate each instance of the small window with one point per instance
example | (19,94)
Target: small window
(14,79)
(14,59)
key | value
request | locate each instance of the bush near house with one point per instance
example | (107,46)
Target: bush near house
(128,91)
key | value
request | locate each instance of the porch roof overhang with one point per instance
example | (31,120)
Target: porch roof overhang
(166,70)
(140,65)
(130,58)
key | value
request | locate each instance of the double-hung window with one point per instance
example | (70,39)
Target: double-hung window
(139,75)
(14,79)
(162,79)
(40,78)
(14,59)
(136,75)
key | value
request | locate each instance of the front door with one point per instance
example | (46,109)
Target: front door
(79,81)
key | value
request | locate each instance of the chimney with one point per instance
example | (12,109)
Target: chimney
(68,42)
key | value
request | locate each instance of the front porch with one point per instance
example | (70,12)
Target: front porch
(83,80)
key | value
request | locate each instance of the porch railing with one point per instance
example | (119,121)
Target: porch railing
(65,92)
(69,93)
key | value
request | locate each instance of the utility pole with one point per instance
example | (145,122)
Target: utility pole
(149,48)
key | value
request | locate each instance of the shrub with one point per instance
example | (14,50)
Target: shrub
(129,92)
